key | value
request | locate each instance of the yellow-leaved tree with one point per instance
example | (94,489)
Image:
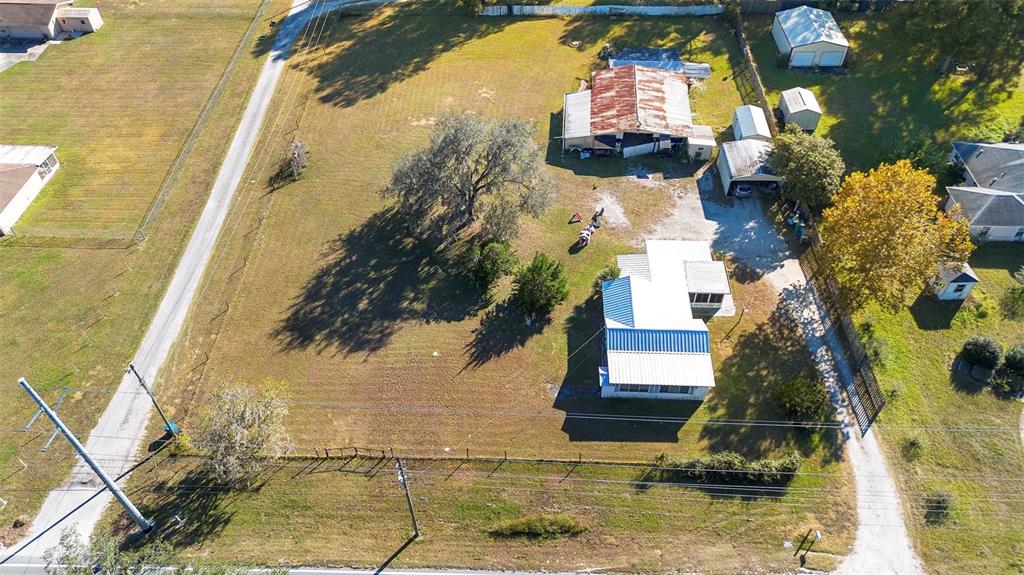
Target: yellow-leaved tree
(884,235)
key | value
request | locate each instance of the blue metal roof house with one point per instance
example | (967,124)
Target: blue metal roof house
(654,348)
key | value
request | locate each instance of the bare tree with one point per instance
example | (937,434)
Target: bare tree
(71,556)
(471,163)
(297,158)
(243,430)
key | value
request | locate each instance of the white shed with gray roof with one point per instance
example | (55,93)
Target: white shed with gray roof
(799,107)
(809,37)
(24,170)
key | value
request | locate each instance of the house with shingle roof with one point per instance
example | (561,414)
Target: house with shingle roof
(45,19)
(654,346)
(992,197)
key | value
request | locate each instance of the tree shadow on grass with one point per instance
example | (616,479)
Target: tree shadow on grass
(931,313)
(187,510)
(771,354)
(373,279)
(368,55)
(588,417)
(502,329)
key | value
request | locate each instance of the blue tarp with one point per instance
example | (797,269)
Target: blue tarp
(661,58)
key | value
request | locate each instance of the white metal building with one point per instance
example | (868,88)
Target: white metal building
(701,143)
(799,107)
(749,122)
(45,19)
(809,37)
(954,282)
(654,346)
(24,170)
(744,161)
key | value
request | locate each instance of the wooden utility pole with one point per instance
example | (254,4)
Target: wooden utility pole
(408,497)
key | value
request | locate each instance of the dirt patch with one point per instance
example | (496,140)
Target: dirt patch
(614,216)
(423,121)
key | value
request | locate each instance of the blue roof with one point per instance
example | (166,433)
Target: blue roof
(658,340)
(617,297)
(661,58)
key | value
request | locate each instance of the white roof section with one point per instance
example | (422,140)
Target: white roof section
(576,122)
(673,369)
(635,265)
(662,304)
(750,122)
(799,99)
(36,155)
(805,25)
(702,136)
(707,277)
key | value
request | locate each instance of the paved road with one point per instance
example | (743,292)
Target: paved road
(129,411)
(37,569)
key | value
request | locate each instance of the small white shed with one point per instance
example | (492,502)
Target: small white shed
(24,170)
(954,281)
(750,123)
(809,37)
(701,143)
(799,107)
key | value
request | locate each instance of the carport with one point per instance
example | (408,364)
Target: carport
(745,161)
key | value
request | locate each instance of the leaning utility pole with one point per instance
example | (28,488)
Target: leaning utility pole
(408,497)
(121,497)
(169,426)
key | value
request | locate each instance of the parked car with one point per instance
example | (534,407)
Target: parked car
(743,191)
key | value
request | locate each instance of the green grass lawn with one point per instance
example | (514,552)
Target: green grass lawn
(983,469)
(119,112)
(383,346)
(890,100)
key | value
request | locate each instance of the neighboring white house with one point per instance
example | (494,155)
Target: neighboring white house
(992,198)
(701,143)
(631,110)
(745,161)
(799,107)
(24,170)
(809,37)
(954,281)
(749,122)
(45,19)
(654,347)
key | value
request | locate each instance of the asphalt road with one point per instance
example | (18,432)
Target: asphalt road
(115,438)
(37,569)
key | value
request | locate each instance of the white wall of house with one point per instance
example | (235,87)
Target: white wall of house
(17,206)
(998,233)
(654,392)
(954,291)
(81,20)
(27,32)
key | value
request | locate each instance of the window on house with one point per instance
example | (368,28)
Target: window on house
(700,298)
(1019,234)
(959,288)
(717,298)
(679,389)
(984,231)
(83,21)
(634,388)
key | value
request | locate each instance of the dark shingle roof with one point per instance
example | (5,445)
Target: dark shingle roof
(996,166)
(984,207)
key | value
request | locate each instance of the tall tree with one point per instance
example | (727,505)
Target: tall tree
(884,235)
(471,163)
(242,429)
(811,165)
(986,32)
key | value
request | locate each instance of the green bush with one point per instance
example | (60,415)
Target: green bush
(181,446)
(1005,385)
(802,399)
(912,448)
(1013,363)
(726,467)
(496,260)
(938,507)
(982,351)
(538,527)
(541,285)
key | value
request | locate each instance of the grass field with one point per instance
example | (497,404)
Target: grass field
(383,346)
(982,469)
(72,317)
(890,100)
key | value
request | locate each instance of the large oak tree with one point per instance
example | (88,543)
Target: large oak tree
(884,235)
(811,166)
(473,166)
